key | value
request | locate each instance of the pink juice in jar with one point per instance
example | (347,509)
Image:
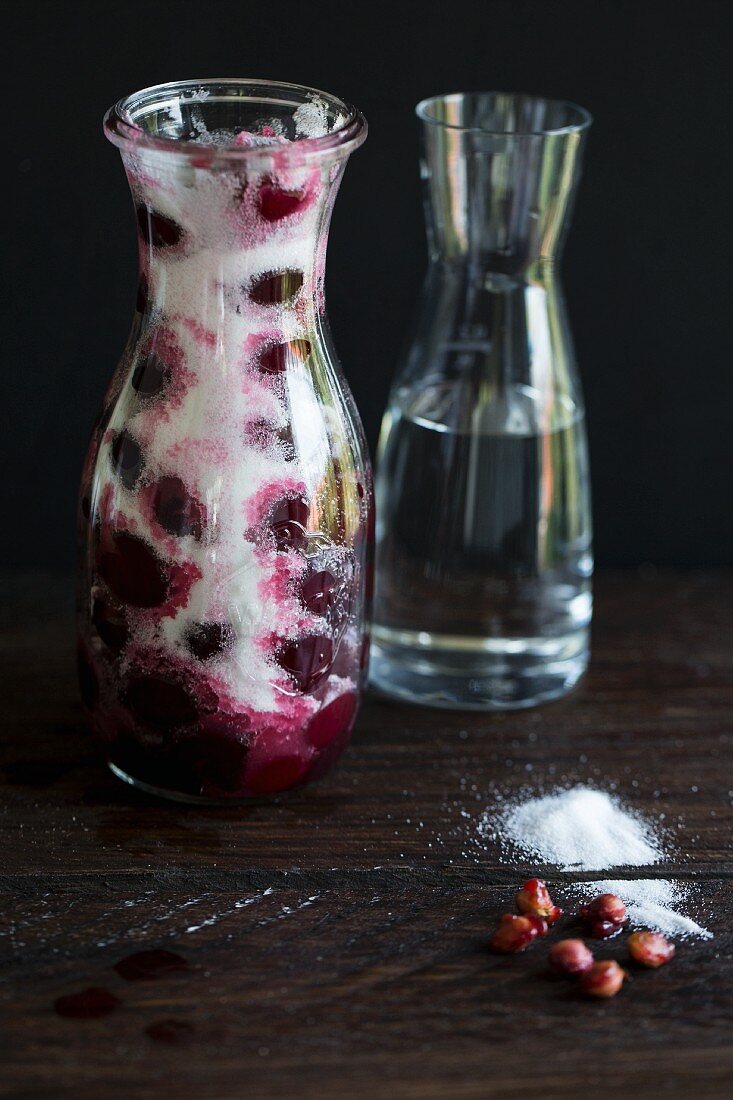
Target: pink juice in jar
(226,501)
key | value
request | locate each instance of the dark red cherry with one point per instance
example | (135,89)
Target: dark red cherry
(88,682)
(328,756)
(317,592)
(287,443)
(127,459)
(87,1005)
(159,702)
(289,523)
(276,287)
(337,716)
(217,760)
(275,202)
(275,358)
(110,624)
(146,966)
(157,229)
(277,775)
(207,640)
(133,571)
(307,661)
(261,433)
(150,376)
(175,510)
(170,1031)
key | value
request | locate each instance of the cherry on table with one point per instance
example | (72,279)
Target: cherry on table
(570,956)
(651,949)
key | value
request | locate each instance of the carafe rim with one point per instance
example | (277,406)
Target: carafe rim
(579,118)
(122,129)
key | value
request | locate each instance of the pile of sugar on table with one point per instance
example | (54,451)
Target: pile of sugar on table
(582,829)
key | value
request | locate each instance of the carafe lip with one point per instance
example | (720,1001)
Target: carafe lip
(123,131)
(579,119)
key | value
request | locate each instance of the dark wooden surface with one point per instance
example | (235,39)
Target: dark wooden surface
(337,938)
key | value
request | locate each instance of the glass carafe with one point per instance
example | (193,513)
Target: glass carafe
(226,497)
(483,591)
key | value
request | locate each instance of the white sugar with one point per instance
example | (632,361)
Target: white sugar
(576,830)
(311,118)
(650,903)
(583,829)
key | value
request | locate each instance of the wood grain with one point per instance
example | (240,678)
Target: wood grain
(337,938)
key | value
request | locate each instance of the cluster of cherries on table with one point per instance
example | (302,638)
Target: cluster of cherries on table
(605,916)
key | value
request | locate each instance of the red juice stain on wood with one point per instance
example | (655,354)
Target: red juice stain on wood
(170,1031)
(149,965)
(87,1005)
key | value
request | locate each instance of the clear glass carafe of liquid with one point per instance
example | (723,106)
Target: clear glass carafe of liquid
(484,562)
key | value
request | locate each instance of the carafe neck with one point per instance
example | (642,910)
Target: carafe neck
(215,244)
(497,202)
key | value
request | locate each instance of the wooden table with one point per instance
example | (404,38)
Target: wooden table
(336,940)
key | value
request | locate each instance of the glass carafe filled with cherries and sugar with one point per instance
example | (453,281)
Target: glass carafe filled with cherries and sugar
(226,500)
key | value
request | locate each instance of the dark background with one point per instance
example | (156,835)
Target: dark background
(646,267)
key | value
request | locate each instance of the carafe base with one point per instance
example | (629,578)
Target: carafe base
(457,673)
(170,795)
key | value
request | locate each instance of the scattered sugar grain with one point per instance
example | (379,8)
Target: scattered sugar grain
(650,903)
